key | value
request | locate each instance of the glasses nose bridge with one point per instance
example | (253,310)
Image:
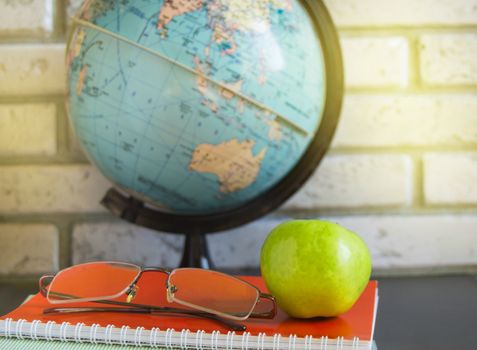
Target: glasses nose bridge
(165,271)
(132,290)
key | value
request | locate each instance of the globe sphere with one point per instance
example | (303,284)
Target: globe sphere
(197,107)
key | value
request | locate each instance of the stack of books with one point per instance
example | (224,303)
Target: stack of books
(27,327)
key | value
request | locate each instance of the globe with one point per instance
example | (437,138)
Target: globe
(212,111)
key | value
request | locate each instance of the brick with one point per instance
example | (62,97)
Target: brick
(355,181)
(51,188)
(377,120)
(30,17)
(240,247)
(125,242)
(28,249)
(401,241)
(372,13)
(447,59)
(28,129)
(450,178)
(395,241)
(389,12)
(376,62)
(32,69)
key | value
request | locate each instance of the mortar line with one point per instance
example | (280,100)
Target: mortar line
(399,30)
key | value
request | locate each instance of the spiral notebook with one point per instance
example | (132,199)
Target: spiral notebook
(352,330)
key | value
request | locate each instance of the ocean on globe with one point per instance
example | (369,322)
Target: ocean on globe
(197,106)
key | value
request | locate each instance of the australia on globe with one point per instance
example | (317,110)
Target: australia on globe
(196,106)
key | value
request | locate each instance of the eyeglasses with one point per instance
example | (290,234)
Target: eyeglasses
(204,293)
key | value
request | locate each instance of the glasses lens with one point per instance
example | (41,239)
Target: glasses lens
(92,281)
(213,292)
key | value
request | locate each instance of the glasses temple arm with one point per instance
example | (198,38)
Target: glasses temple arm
(149,310)
(43,283)
(137,308)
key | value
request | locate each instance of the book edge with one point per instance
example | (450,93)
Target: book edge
(78,333)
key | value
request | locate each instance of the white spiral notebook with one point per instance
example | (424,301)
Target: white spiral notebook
(352,330)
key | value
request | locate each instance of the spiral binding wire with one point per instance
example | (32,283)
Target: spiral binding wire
(276,341)
(19,329)
(33,331)
(338,347)
(324,343)
(215,340)
(108,334)
(170,339)
(184,336)
(92,333)
(355,343)
(261,341)
(308,340)
(138,335)
(153,337)
(77,332)
(230,340)
(8,325)
(199,340)
(63,328)
(48,328)
(292,342)
(245,339)
(122,335)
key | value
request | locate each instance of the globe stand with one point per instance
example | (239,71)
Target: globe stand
(195,226)
(195,252)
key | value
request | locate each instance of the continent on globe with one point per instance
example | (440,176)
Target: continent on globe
(81,79)
(236,86)
(75,49)
(233,162)
(173,8)
(92,9)
(275,132)
(228,91)
(202,87)
(243,15)
(249,15)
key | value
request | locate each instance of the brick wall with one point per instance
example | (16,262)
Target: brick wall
(402,171)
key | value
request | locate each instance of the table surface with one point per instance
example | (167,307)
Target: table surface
(414,312)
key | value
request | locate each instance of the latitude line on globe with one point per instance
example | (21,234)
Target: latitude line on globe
(193,71)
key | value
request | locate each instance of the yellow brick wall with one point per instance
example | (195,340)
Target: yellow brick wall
(402,170)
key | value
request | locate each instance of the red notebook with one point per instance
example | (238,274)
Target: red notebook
(353,329)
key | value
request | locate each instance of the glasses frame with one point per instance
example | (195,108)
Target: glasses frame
(130,291)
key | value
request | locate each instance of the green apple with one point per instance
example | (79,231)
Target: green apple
(315,268)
